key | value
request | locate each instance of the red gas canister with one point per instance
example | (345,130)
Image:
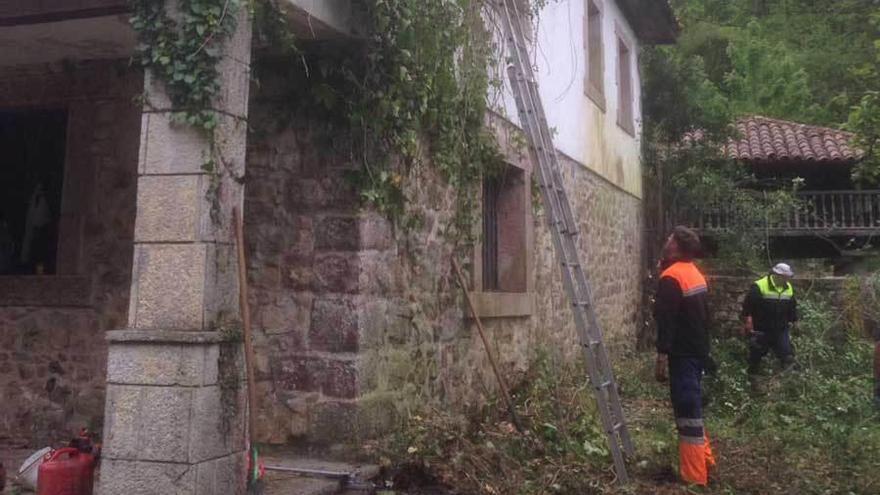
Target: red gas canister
(66,471)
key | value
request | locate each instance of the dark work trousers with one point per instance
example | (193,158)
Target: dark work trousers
(760,343)
(685,387)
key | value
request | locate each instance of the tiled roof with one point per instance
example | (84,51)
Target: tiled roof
(766,140)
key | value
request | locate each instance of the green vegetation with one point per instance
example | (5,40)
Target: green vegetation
(410,93)
(812,61)
(812,430)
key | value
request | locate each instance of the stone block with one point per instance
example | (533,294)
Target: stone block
(168,208)
(145,478)
(221,303)
(219,427)
(337,377)
(335,273)
(339,233)
(294,374)
(168,147)
(373,322)
(148,423)
(334,326)
(168,286)
(156,364)
(376,232)
(222,476)
(380,273)
(288,313)
(235,80)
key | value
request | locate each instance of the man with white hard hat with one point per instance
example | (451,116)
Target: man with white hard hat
(769,310)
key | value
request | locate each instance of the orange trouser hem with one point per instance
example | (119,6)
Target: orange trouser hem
(694,461)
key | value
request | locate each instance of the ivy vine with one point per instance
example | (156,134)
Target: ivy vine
(182,50)
(412,91)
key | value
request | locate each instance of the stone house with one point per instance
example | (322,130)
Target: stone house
(115,280)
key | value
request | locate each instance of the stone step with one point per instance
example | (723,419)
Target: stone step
(284,483)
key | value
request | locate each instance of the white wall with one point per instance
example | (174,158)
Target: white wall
(583,131)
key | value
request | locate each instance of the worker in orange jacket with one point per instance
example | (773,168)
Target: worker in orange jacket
(682,315)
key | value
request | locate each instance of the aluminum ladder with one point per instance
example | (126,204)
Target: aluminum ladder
(564,231)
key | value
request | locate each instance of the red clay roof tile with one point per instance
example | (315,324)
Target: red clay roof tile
(765,140)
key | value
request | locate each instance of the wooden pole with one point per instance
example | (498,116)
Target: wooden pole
(246,323)
(501,383)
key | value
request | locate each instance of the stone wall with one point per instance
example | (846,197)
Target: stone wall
(726,295)
(359,321)
(52,348)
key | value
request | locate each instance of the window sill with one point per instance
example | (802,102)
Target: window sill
(44,291)
(596,95)
(503,304)
(629,129)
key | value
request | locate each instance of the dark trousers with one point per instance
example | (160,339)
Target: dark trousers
(685,388)
(760,343)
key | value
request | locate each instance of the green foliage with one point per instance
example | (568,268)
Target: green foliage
(424,84)
(687,122)
(811,430)
(182,51)
(864,120)
(411,92)
(765,78)
(563,450)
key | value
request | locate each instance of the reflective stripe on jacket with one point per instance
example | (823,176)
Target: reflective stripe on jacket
(682,312)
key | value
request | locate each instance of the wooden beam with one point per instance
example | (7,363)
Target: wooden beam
(21,12)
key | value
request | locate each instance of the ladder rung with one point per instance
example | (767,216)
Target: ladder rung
(585,304)
(604,384)
(593,343)
(617,427)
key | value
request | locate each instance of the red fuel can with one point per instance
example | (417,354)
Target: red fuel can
(66,471)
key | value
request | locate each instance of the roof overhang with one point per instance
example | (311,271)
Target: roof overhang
(18,12)
(652,20)
(322,19)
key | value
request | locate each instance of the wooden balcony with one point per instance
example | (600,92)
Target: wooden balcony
(822,213)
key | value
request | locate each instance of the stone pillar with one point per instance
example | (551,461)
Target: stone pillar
(175,404)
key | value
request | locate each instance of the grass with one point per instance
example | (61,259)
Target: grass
(809,431)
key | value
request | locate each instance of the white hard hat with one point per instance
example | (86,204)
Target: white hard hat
(783,269)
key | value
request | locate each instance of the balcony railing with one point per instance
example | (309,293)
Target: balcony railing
(816,212)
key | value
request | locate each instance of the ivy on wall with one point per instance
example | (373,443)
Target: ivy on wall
(410,91)
(182,50)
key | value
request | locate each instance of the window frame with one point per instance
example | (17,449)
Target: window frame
(62,252)
(594,92)
(497,304)
(625,122)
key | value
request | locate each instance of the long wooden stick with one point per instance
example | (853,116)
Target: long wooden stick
(501,383)
(246,323)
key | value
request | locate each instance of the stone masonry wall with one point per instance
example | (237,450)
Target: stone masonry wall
(52,348)
(358,321)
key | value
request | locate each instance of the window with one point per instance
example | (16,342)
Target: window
(504,232)
(32,149)
(624,87)
(594,85)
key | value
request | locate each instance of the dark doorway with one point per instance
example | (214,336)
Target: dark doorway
(32,150)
